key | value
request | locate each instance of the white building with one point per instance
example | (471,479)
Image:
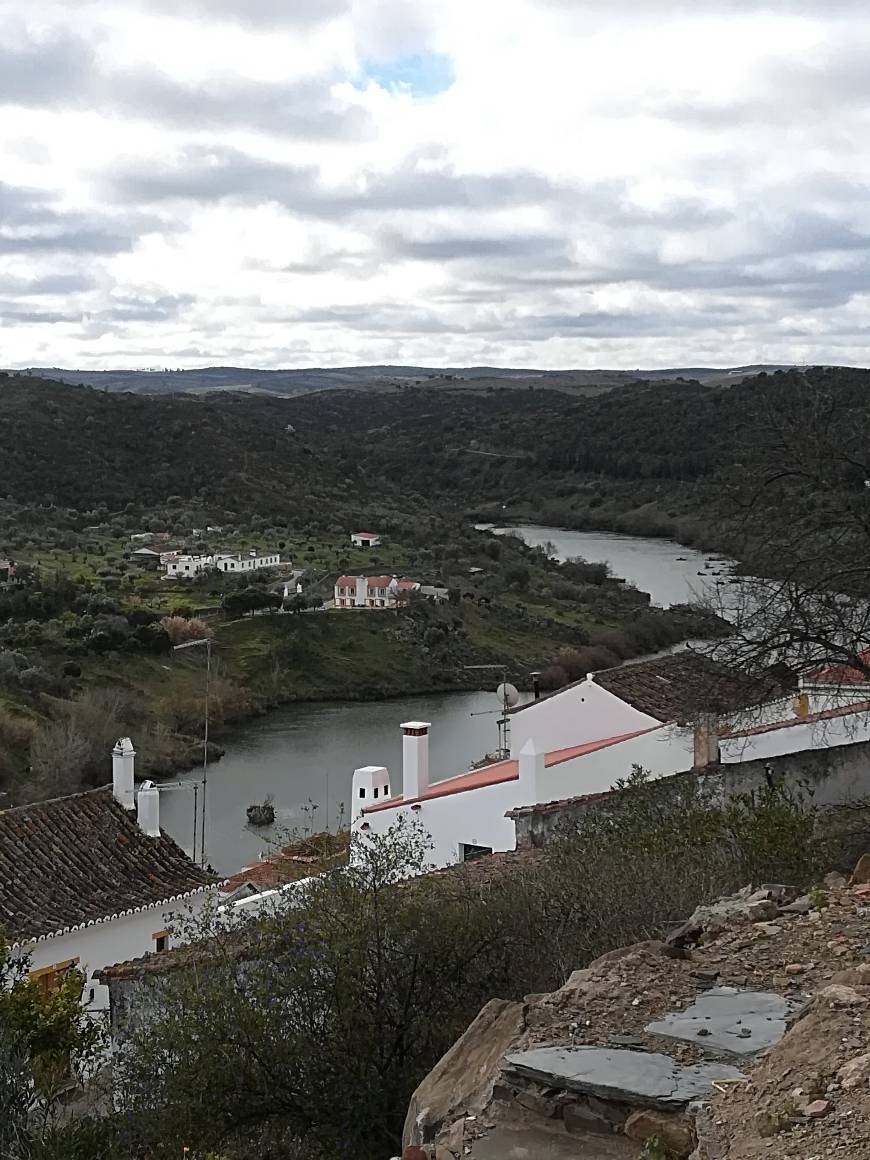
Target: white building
(372,591)
(236,563)
(365,539)
(90,880)
(464,815)
(583,739)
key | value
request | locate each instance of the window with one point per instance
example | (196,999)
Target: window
(49,979)
(362,792)
(161,941)
(468,851)
(375,791)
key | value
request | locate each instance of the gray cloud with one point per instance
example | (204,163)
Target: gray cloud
(205,174)
(45,285)
(63,71)
(13,314)
(142,309)
(471,248)
(257,13)
(32,223)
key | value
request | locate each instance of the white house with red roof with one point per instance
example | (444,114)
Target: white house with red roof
(373,591)
(667,715)
(365,539)
(464,814)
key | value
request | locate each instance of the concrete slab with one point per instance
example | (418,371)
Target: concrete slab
(731,1020)
(521,1143)
(643,1079)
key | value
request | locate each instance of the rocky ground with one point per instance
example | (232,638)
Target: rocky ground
(806,1097)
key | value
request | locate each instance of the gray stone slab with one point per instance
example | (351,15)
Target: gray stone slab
(641,1078)
(729,1019)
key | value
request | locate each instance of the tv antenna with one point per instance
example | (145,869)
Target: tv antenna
(509,696)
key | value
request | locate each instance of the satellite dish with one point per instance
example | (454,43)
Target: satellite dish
(508,694)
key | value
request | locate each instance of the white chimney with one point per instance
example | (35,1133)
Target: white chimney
(531,769)
(123,761)
(415,758)
(149,809)
(371,786)
(706,741)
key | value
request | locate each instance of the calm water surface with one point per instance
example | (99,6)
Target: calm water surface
(305,754)
(664,568)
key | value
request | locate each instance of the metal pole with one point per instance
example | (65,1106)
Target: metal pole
(205,746)
(195,817)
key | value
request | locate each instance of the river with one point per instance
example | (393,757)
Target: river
(670,573)
(305,754)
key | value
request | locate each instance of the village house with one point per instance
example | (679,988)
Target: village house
(372,591)
(146,558)
(365,539)
(7,571)
(90,880)
(584,738)
(185,566)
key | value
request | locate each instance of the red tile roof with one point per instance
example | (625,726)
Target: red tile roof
(842,674)
(501,771)
(82,859)
(366,535)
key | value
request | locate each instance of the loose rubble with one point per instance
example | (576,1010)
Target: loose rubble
(766,993)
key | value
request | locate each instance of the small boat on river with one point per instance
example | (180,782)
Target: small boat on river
(262,813)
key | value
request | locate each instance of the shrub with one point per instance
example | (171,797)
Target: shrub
(180,628)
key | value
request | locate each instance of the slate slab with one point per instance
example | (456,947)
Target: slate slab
(640,1078)
(730,1019)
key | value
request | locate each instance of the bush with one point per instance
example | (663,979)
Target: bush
(180,629)
(363,985)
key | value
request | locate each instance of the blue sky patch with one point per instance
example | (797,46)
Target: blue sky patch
(422,74)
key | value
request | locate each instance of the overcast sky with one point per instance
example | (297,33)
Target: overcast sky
(618,183)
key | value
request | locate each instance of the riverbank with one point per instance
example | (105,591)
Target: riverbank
(512,608)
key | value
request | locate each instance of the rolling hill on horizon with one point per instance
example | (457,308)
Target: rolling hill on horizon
(289,382)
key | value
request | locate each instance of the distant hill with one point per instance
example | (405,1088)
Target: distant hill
(287,383)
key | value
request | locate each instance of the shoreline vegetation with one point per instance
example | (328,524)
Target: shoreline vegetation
(85,655)
(86,661)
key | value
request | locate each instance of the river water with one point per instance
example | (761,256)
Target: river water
(670,573)
(305,754)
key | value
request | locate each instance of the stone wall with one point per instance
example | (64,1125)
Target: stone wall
(835,775)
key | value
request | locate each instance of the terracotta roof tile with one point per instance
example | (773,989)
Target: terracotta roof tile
(78,859)
(501,771)
(678,686)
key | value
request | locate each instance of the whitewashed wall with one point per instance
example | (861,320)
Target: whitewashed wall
(584,712)
(112,942)
(796,738)
(477,817)
(662,752)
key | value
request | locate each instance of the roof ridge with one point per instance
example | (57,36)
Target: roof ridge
(60,798)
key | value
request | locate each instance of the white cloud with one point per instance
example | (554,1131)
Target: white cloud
(619,182)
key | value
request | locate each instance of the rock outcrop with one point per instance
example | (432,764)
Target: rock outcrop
(746,1034)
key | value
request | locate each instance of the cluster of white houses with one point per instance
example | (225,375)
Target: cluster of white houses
(91,880)
(583,739)
(183,566)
